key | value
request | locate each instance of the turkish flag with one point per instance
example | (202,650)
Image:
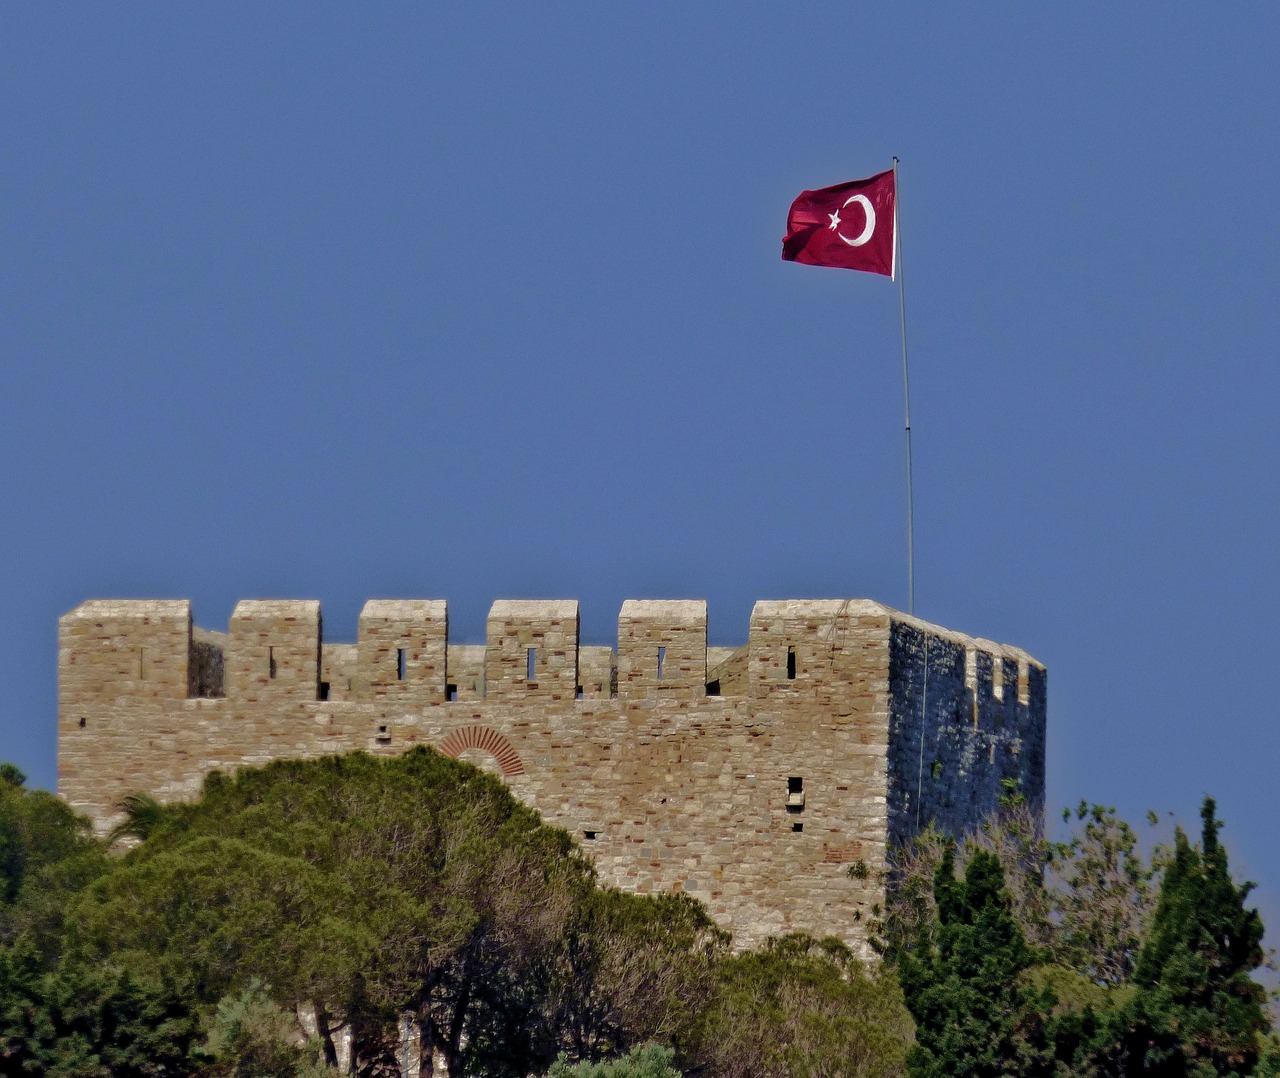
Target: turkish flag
(849,226)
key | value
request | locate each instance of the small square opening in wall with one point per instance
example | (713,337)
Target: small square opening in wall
(384,733)
(82,722)
(797,828)
(589,835)
(324,690)
(451,692)
(791,663)
(400,664)
(795,794)
(713,687)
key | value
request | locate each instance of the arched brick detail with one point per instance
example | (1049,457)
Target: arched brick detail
(487,740)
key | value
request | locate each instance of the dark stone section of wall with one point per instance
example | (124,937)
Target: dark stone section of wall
(952,745)
(205,670)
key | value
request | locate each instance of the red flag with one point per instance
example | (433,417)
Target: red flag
(848,226)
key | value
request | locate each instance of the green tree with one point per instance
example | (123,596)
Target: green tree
(964,983)
(646,1061)
(370,888)
(251,1036)
(630,969)
(1198,1010)
(47,853)
(89,1022)
(803,1008)
(1102,896)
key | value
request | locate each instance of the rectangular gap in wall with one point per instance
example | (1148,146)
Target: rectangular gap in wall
(271,662)
(791,663)
(713,687)
(797,827)
(324,690)
(577,692)
(662,661)
(590,835)
(142,664)
(1024,682)
(795,794)
(997,677)
(451,692)
(531,664)
(400,664)
(795,784)
(384,733)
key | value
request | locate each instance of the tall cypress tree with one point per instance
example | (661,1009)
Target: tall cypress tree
(962,986)
(1198,1011)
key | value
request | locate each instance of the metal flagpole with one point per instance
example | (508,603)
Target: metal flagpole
(906,390)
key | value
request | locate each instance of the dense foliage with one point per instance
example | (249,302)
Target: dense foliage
(303,915)
(1080,965)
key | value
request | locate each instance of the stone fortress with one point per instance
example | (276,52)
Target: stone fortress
(761,779)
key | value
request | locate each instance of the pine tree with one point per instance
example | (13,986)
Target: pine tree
(1198,1011)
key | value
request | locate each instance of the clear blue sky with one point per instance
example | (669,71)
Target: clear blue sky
(470,302)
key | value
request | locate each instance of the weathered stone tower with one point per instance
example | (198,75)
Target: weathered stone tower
(754,778)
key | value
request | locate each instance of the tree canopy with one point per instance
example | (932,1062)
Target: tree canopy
(309,913)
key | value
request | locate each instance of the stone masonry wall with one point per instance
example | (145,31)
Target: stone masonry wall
(966,715)
(756,801)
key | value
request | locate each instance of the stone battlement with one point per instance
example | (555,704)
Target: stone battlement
(752,777)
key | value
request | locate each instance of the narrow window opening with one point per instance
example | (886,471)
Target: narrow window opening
(797,827)
(795,784)
(577,692)
(400,664)
(791,663)
(142,665)
(935,772)
(795,794)
(82,722)
(713,687)
(997,678)
(324,690)
(662,659)
(590,835)
(384,733)
(451,692)
(271,662)
(531,664)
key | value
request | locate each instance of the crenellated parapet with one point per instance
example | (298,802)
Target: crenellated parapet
(753,777)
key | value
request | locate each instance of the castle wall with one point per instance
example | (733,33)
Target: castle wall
(757,801)
(967,716)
